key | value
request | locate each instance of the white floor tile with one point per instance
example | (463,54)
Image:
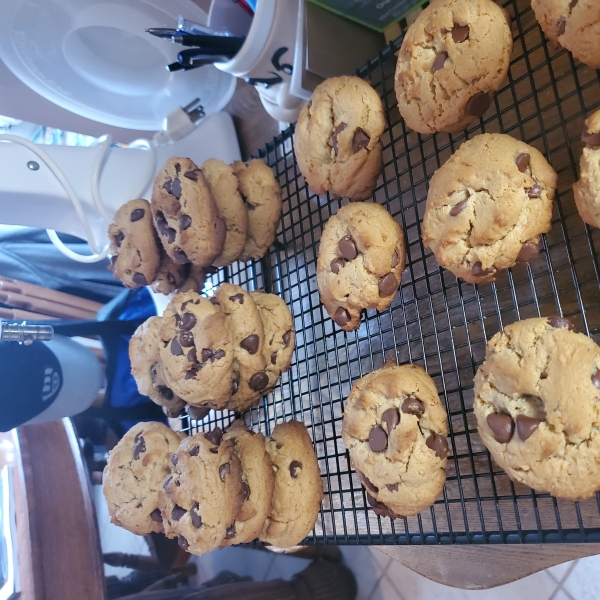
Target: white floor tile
(387,589)
(559,571)
(367,565)
(539,586)
(561,595)
(583,583)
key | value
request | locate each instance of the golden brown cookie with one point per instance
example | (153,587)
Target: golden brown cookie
(587,189)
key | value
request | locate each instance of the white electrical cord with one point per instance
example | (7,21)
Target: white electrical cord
(104,147)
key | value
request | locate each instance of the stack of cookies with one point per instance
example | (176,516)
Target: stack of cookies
(213,490)
(221,353)
(199,218)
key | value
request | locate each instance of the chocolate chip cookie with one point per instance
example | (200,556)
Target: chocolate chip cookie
(194,282)
(360,264)
(224,187)
(574,24)
(262,196)
(133,245)
(258,480)
(196,351)
(537,397)
(146,368)
(134,474)
(337,138)
(185,214)
(395,429)
(298,489)
(204,492)
(487,207)
(170,276)
(587,189)
(453,59)
(249,379)
(279,335)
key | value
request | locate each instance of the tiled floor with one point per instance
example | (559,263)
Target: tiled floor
(377,575)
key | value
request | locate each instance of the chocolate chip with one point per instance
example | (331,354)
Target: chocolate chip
(174,459)
(177,168)
(522,162)
(235,386)
(360,140)
(379,508)
(535,191)
(207,354)
(197,412)
(118,239)
(250,343)
(438,444)
(188,320)
(413,406)
(573,4)
(168,185)
(393,487)
(348,248)
(440,61)
(139,279)
(245,491)
(562,26)
(140,446)
(336,264)
(378,439)
(195,450)
(529,251)
(460,33)
(458,208)
(137,214)
(258,381)
(191,355)
(333,142)
(215,436)
(388,285)
(391,418)
(224,469)
(237,298)
(176,188)
(526,426)
(165,392)
(478,104)
(230,533)
(193,175)
(502,426)
(560,323)
(177,513)
(185,222)
(274,358)
(287,337)
(156,516)
(167,482)
(596,378)
(394,259)
(217,355)
(186,339)
(341,316)
(195,517)
(591,139)
(214,302)
(171,234)
(214,450)
(294,466)
(161,223)
(191,373)
(183,543)
(477,270)
(176,349)
(367,482)
(180,257)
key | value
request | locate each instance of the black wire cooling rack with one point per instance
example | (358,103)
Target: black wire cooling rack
(435,320)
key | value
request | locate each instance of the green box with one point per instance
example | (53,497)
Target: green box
(376,14)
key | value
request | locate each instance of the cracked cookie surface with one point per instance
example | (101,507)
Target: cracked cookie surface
(574,24)
(134,476)
(537,403)
(395,429)
(337,138)
(186,216)
(146,368)
(133,244)
(587,189)
(487,206)
(203,494)
(298,489)
(360,263)
(453,58)
(196,351)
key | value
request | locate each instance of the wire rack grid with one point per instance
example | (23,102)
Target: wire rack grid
(435,320)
